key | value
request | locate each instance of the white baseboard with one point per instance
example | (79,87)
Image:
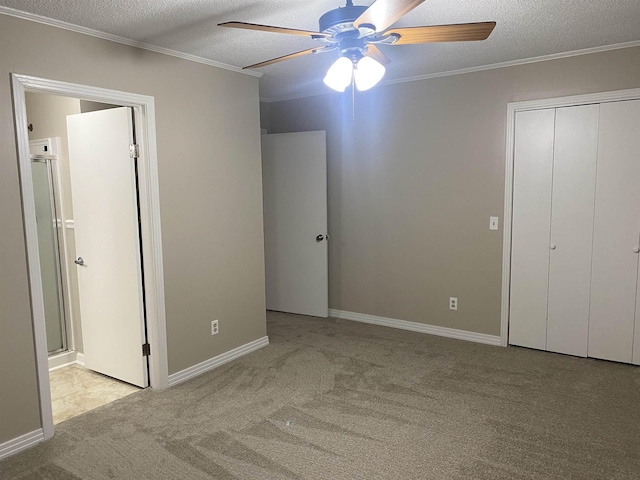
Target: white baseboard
(20,443)
(62,360)
(188,373)
(418,327)
(65,359)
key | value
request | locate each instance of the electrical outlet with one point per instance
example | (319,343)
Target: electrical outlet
(214,327)
(453,303)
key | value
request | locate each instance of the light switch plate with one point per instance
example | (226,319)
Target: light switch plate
(493,223)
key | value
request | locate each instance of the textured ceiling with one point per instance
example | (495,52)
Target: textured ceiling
(525,29)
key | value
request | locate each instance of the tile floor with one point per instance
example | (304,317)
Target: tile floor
(75,390)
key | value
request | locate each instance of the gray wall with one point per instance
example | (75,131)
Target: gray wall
(210,199)
(414,178)
(265,115)
(89,106)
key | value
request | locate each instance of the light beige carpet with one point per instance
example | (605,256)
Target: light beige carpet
(340,400)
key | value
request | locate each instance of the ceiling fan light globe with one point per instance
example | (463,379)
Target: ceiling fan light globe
(367,73)
(338,76)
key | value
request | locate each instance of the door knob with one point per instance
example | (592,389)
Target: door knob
(79,261)
(636,250)
(319,238)
(552,246)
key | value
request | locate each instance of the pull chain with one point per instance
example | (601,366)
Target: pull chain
(353,98)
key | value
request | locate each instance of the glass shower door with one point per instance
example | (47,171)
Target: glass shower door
(49,248)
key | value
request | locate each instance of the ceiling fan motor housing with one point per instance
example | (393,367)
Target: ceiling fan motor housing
(352,48)
(340,20)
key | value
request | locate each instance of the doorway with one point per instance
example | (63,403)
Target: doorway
(150,239)
(93,339)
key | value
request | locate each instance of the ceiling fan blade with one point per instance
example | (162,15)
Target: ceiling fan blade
(442,33)
(384,13)
(287,57)
(269,28)
(374,52)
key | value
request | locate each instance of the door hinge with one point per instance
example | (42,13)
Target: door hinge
(146,350)
(134,151)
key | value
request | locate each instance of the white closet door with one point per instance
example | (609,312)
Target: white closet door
(531,228)
(572,203)
(617,222)
(294,182)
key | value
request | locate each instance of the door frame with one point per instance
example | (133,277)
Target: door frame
(152,266)
(512,109)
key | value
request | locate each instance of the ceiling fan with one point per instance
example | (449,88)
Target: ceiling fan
(357,30)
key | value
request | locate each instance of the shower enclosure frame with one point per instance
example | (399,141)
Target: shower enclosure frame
(47,151)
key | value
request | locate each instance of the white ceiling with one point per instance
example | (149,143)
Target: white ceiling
(525,29)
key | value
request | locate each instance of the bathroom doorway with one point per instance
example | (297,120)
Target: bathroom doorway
(81,360)
(142,116)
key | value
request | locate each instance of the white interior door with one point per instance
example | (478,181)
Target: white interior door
(572,204)
(294,172)
(617,222)
(532,182)
(106,231)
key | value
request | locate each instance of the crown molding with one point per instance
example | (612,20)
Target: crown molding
(514,63)
(296,97)
(480,68)
(123,40)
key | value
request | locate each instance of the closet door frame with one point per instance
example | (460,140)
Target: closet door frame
(512,109)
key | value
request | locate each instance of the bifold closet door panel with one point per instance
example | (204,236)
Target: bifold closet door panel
(572,204)
(617,223)
(532,175)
